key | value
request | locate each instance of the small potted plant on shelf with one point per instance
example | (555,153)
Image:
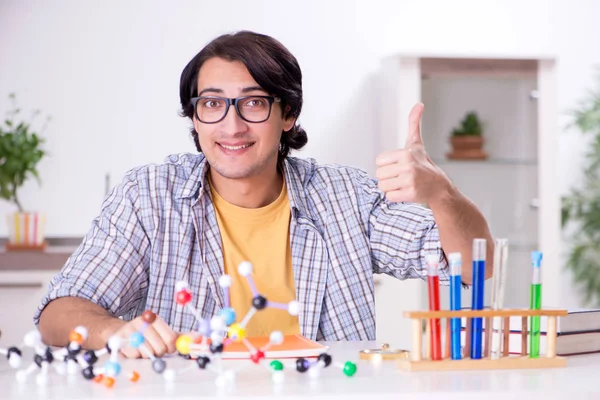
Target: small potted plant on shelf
(20,152)
(467,139)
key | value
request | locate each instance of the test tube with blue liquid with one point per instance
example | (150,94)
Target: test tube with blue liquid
(477,297)
(455,261)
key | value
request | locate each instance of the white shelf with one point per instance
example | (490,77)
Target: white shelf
(489,161)
(522,247)
(515,188)
(478,67)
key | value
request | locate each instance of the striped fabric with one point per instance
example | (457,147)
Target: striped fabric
(159,226)
(26,228)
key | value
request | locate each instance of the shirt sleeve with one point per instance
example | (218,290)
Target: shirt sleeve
(109,267)
(401,235)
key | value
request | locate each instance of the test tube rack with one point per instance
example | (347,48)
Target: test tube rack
(423,362)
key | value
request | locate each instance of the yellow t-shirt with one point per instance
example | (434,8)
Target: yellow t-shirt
(261,236)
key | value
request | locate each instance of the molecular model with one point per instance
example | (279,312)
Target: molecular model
(13,355)
(205,349)
(71,354)
(313,367)
(72,358)
(221,330)
(112,368)
(67,360)
(43,358)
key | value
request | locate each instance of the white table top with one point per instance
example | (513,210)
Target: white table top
(382,380)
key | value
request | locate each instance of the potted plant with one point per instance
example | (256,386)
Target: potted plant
(581,207)
(467,139)
(20,152)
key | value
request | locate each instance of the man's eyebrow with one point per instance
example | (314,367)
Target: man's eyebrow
(215,90)
(253,89)
(244,90)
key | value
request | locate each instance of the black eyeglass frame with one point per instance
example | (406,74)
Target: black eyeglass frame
(234,102)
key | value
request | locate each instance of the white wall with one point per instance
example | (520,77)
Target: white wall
(109,75)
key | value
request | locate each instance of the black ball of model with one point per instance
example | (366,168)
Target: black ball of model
(37,359)
(326,358)
(216,349)
(90,357)
(13,351)
(72,353)
(202,362)
(88,373)
(46,357)
(301,364)
(259,302)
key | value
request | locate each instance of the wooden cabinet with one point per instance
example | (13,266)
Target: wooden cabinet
(20,294)
(24,279)
(19,298)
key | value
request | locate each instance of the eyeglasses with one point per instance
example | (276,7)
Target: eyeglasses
(254,109)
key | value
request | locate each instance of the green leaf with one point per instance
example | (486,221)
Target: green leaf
(469,126)
(20,153)
(580,209)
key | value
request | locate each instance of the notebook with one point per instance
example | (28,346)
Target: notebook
(293,346)
(577,321)
(567,344)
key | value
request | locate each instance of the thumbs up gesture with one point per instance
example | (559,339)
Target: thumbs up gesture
(408,174)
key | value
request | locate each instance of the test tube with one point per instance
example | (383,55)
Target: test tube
(535,304)
(433,283)
(477,298)
(455,261)
(499,283)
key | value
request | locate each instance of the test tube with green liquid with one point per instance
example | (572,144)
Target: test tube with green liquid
(535,304)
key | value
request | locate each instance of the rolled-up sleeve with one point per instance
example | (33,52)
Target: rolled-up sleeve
(109,267)
(401,235)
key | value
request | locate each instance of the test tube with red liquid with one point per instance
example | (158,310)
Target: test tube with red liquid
(433,284)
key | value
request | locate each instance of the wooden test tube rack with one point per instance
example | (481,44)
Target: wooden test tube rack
(420,362)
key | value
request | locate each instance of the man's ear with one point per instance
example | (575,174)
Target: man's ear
(288,121)
(196,123)
(288,124)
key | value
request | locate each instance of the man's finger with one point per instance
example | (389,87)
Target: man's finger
(388,171)
(126,349)
(394,157)
(398,183)
(414,125)
(397,196)
(130,352)
(388,157)
(169,337)
(156,343)
(403,164)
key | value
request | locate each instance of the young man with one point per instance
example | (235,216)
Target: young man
(314,233)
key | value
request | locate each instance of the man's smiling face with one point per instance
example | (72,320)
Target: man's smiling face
(234,148)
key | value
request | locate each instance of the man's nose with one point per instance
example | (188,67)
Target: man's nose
(233,122)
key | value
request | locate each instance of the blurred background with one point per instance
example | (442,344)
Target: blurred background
(501,77)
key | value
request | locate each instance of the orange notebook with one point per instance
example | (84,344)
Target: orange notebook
(293,346)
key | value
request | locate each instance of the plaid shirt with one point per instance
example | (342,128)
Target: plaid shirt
(159,227)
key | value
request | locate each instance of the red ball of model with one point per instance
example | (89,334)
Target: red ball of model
(256,357)
(183,297)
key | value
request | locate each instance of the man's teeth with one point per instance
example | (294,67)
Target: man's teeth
(236,147)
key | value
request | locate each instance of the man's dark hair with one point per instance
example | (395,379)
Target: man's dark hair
(271,65)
